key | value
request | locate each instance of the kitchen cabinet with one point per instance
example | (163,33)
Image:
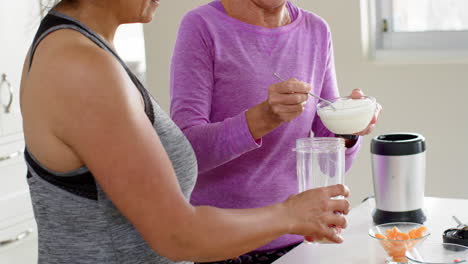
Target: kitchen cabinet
(18,22)
(18,244)
(18,230)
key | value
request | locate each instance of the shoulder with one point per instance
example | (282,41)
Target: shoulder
(71,63)
(313,21)
(87,57)
(199,27)
(75,86)
(200,12)
(75,81)
(201,17)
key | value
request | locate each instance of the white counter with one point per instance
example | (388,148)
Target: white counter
(358,247)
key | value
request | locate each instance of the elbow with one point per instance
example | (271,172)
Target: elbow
(178,250)
(178,241)
(191,238)
(176,256)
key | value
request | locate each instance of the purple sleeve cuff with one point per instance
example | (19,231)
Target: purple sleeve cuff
(238,135)
(355,148)
(351,153)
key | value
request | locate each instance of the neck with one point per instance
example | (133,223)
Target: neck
(250,12)
(94,16)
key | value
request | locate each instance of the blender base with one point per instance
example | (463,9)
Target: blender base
(383,217)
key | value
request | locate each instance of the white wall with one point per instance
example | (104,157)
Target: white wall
(428,99)
(160,38)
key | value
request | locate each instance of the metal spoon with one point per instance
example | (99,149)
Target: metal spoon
(311,94)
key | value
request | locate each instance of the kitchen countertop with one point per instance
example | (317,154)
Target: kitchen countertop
(358,247)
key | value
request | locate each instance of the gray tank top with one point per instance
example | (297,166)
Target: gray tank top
(77,222)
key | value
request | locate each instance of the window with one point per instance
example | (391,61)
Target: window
(129,42)
(416,28)
(430,15)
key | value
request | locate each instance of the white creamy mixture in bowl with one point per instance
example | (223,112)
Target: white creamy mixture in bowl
(351,115)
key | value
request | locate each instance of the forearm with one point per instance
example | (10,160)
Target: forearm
(229,139)
(215,234)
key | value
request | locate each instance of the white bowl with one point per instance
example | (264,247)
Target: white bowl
(351,115)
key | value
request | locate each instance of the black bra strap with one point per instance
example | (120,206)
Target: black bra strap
(82,184)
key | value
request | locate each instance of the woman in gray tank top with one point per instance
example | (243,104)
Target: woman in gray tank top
(110,174)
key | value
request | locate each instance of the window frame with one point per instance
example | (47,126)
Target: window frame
(407,47)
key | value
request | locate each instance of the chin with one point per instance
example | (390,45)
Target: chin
(271,4)
(146,19)
(149,14)
(141,19)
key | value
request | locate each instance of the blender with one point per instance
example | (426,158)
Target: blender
(399,170)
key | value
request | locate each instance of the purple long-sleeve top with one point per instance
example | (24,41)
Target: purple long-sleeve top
(221,67)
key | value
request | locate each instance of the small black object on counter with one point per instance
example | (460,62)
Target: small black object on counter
(456,236)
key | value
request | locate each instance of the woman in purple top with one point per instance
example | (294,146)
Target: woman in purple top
(241,122)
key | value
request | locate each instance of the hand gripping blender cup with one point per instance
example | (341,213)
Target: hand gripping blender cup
(320,163)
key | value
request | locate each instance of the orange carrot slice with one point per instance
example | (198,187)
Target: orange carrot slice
(400,259)
(380,236)
(396,243)
(392,233)
(420,231)
(402,236)
(412,234)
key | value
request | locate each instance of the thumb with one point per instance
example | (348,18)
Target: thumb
(357,94)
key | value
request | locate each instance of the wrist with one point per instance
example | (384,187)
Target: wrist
(286,216)
(261,120)
(350,140)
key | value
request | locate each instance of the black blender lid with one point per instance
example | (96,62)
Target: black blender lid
(398,144)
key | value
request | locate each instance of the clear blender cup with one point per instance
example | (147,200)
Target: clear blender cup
(320,162)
